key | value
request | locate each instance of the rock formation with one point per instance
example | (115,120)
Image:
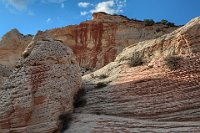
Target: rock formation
(153,85)
(95,42)
(4,73)
(11,46)
(149,97)
(41,88)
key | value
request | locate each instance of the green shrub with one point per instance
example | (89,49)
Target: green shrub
(164,21)
(101,85)
(79,100)
(172,62)
(149,22)
(170,24)
(103,76)
(136,60)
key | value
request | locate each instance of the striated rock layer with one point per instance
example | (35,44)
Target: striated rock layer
(90,123)
(149,97)
(41,87)
(95,43)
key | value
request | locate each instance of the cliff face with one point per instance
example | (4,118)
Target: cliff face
(151,86)
(11,46)
(96,42)
(151,96)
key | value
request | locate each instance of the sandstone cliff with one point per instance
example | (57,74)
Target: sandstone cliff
(11,46)
(151,86)
(149,97)
(41,88)
(95,42)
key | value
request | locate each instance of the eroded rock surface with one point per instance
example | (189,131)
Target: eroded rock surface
(95,42)
(149,97)
(11,46)
(5,72)
(90,123)
(41,87)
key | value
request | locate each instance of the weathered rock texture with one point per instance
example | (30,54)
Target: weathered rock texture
(11,46)
(96,42)
(40,89)
(149,97)
(88,123)
(4,73)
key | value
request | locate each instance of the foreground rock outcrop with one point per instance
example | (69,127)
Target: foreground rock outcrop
(4,73)
(148,97)
(41,88)
(104,38)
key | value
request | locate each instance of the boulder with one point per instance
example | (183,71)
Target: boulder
(41,88)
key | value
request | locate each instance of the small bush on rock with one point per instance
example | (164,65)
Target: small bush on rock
(164,21)
(170,24)
(172,62)
(103,76)
(136,60)
(149,22)
(101,85)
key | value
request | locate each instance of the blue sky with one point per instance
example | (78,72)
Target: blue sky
(29,16)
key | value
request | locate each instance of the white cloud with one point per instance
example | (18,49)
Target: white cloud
(62,5)
(54,1)
(30,13)
(110,6)
(84,4)
(17,4)
(106,6)
(48,20)
(84,13)
(21,5)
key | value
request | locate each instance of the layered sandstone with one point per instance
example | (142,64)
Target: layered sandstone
(41,88)
(95,42)
(149,97)
(11,46)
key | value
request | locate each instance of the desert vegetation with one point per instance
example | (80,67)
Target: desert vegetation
(136,60)
(103,76)
(166,22)
(172,62)
(149,22)
(101,85)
